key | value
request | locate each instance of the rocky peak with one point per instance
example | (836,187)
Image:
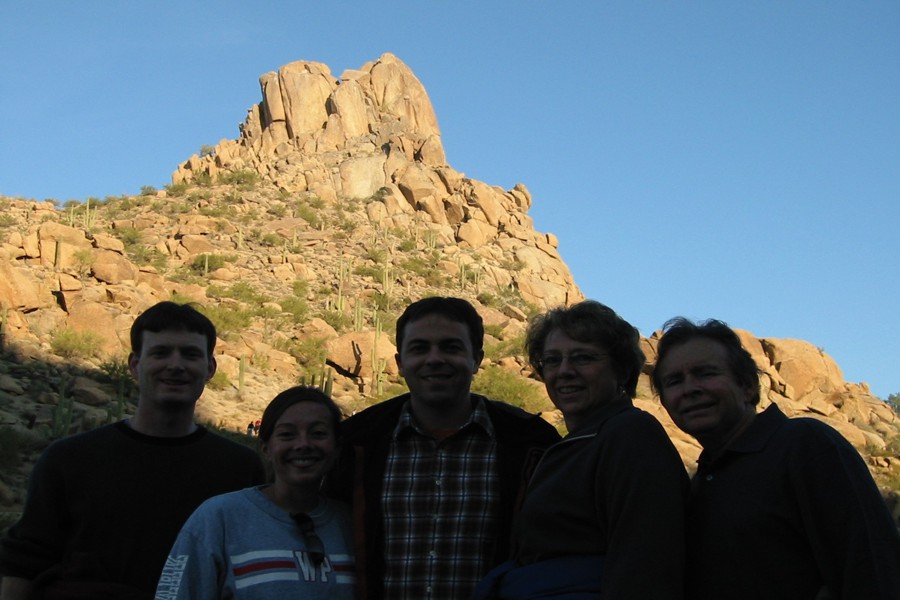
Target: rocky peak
(372,135)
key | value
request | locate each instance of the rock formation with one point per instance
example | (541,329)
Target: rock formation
(372,134)
(303,239)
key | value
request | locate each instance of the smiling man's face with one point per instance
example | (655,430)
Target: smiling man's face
(701,394)
(438,362)
(172,368)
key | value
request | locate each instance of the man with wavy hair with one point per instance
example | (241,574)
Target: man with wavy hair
(780,508)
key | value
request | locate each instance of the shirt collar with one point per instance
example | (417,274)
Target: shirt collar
(755,438)
(479,418)
(592,423)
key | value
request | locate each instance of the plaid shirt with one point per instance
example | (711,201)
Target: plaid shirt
(440,508)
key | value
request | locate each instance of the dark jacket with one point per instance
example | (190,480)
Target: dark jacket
(358,478)
(615,488)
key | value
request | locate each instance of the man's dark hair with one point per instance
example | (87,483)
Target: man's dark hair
(591,322)
(454,309)
(679,330)
(172,316)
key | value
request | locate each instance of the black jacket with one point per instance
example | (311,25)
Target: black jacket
(358,478)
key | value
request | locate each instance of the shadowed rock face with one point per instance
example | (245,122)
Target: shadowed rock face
(341,185)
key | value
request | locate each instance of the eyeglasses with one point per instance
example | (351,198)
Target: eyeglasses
(315,549)
(552,362)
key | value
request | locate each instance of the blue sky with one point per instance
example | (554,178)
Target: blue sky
(736,160)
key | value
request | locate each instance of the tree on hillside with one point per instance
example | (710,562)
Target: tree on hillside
(893,400)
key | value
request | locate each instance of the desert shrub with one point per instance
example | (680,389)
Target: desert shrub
(300,288)
(504,348)
(495,330)
(176,189)
(148,190)
(297,307)
(211,262)
(278,210)
(310,352)
(129,236)
(499,384)
(346,226)
(228,320)
(70,343)
(416,265)
(148,255)
(309,214)
(115,369)
(383,301)
(7,220)
(180,298)
(115,207)
(84,260)
(368,271)
(488,299)
(217,211)
(245,178)
(240,291)
(207,150)
(219,381)
(202,178)
(196,196)
(390,390)
(271,240)
(337,319)
(435,278)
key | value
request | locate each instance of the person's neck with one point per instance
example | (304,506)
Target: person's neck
(440,420)
(292,499)
(163,424)
(717,446)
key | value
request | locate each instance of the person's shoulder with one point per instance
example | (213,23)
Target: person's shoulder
(805,440)
(374,418)
(230,500)
(226,445)
(507,417)
(221,506)
(87,441)
(506,410)
(809,430)
(637,432)
(632,417)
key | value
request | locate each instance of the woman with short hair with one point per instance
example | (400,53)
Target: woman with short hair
(604,512)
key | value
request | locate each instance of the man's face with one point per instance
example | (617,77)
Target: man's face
(701,394)
(437,361)
(172,368)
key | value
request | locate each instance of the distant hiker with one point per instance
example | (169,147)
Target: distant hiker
(604,512)
(278,540)
(780,508)
(104,507)
(256,426)
(250,429)
(436,473)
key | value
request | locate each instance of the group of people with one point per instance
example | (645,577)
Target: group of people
(441,493)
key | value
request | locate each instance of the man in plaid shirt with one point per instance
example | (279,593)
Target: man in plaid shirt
(436,475)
